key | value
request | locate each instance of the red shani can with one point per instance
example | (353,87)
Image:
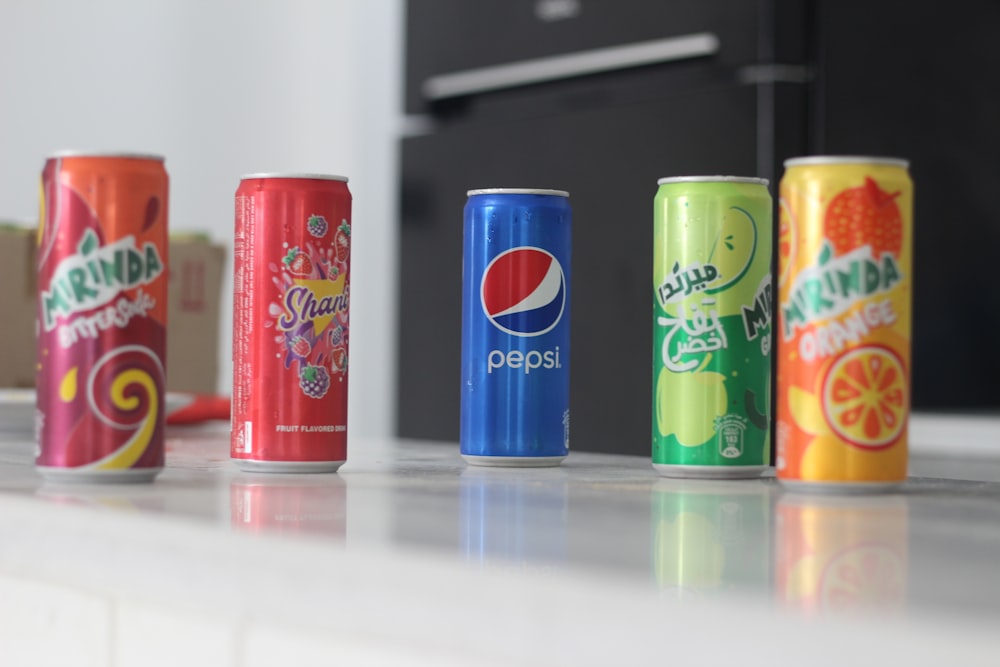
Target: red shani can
(101,317)
(291,296)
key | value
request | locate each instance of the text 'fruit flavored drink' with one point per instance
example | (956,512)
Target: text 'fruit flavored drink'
(711,326)
(101,317)
(844,293)
(515,327)
(291,297)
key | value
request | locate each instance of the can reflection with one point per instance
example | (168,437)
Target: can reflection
(842,555)
(712,537)
(306,504)
(514,517)
(116,497)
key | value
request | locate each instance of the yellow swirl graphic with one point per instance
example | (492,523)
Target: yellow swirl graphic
(127,384)
(131,451)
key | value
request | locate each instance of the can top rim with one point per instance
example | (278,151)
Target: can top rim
(713,179)
(281,174)
(846,159)
(107,154)
(517,191)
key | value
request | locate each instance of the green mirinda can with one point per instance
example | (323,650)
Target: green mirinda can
(712,326)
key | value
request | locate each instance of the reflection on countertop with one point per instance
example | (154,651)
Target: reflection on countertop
(595,512)
(931,548)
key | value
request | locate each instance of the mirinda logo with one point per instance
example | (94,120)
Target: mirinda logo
(523,291)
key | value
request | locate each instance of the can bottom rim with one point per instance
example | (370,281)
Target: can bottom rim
(253,465)
(90,476)
(849,488)
(710,472)
(513,461)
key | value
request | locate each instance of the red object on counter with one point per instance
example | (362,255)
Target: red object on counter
(202,408)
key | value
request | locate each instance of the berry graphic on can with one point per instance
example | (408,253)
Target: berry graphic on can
(291,322)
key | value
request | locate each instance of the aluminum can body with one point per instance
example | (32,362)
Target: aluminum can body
(844,295)
(101,317)
(515,327)
(291,327)
(712,312)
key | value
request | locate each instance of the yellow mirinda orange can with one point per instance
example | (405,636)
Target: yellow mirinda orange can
(845,255)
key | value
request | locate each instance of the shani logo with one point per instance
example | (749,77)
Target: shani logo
(523,293)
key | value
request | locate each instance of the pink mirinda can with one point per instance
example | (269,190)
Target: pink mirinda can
(101,317)
(291,297)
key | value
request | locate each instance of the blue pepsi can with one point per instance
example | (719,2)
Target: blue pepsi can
(515,327)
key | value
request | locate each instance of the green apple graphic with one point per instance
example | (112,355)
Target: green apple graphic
(688,403)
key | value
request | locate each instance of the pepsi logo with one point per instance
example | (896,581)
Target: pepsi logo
(523,291)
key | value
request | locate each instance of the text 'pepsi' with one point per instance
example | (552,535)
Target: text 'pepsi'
(519,360)
(515,327)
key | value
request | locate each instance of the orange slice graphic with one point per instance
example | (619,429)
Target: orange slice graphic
(865,396)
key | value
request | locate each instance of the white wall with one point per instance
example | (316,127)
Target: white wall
(222,88)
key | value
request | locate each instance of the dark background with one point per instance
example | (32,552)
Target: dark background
(789,78)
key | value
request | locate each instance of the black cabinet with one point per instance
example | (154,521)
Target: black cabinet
(760,81)
(606,137)
(923,82)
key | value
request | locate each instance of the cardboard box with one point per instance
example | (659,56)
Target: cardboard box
(195,281)
(17,306)
(195,289)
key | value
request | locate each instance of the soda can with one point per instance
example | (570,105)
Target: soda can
(842,555)
(844,292)
(515,327)
(101,317)
(292,283)
(712,326)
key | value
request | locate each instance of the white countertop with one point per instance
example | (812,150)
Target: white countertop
(408,556)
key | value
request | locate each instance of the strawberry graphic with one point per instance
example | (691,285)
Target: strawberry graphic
(864,215)
(338,360)
(298,262)
(342,241)
(301,347)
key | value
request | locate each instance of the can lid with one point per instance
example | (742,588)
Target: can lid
(517,191)
(713,179)
(315,177)
(106,154)
(846,159)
